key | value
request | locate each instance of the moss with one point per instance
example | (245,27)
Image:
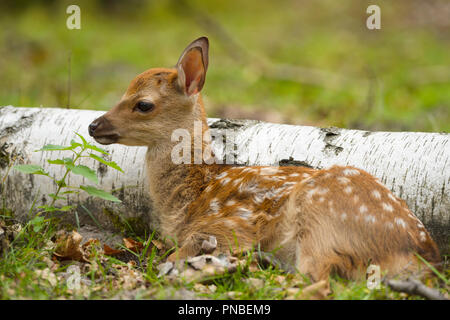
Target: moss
(139,226)
(7,215)
(126,226)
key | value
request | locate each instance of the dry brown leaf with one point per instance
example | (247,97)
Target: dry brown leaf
(68,246)
(110,251)
(158,244)
(133,245)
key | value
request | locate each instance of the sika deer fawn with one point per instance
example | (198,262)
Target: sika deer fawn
(320,221)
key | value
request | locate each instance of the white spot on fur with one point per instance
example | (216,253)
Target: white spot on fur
(321,199)
(248,187)
(230,203)
(274,178)
(214,206)
(343,216)
(311,193)
(222,175)
(370,219)
(343,180)
(244,213)
(330,204)
(208,188)
(363,209)
(420,226)
(293,175)
(400,222)
(392,197)
(319,191)
(376,194)
(423,236)
(259,197)
(306,175)
(225,181)
(350,172)
(387,207)
(237,181)
(269,170)
(348,190)
(273,192)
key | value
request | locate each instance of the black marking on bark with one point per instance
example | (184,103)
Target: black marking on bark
(24,122)
(329,148)
(296,163)
(102,169)
(331,134)
(4,156)
(227,124)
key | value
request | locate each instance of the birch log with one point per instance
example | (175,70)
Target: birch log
(414,165)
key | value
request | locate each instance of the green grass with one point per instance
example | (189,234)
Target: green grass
(396,78)
(29,271)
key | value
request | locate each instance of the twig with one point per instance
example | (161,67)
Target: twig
(413,286)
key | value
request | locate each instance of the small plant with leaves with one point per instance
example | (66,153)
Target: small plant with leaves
(80,150)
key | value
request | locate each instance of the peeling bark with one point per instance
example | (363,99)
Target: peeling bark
(414,165)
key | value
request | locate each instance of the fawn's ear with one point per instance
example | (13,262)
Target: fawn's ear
(192,66)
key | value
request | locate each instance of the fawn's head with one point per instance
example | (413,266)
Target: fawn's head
(157,102)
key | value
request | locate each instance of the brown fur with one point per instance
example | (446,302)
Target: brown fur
(334,220)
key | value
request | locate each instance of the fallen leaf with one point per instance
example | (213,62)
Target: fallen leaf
(68,246)
(110,251)
(90,247)
(158,244)
(133,245)
(208,246)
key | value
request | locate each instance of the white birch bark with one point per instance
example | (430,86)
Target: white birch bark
(414,165)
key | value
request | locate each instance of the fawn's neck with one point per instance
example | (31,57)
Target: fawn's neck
(174,186)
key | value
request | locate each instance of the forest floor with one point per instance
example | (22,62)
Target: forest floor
(42,261)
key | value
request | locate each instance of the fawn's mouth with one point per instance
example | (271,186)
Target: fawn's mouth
(107,139)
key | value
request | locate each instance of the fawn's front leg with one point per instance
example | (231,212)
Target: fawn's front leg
(225,241)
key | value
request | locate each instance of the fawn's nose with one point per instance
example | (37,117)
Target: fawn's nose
(92,128)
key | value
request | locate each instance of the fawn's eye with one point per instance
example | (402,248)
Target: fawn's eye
(144,106)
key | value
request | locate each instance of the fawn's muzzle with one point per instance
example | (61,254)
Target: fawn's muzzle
(102,131)
(92,128)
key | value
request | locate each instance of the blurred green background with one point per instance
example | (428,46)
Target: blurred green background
(300,62)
